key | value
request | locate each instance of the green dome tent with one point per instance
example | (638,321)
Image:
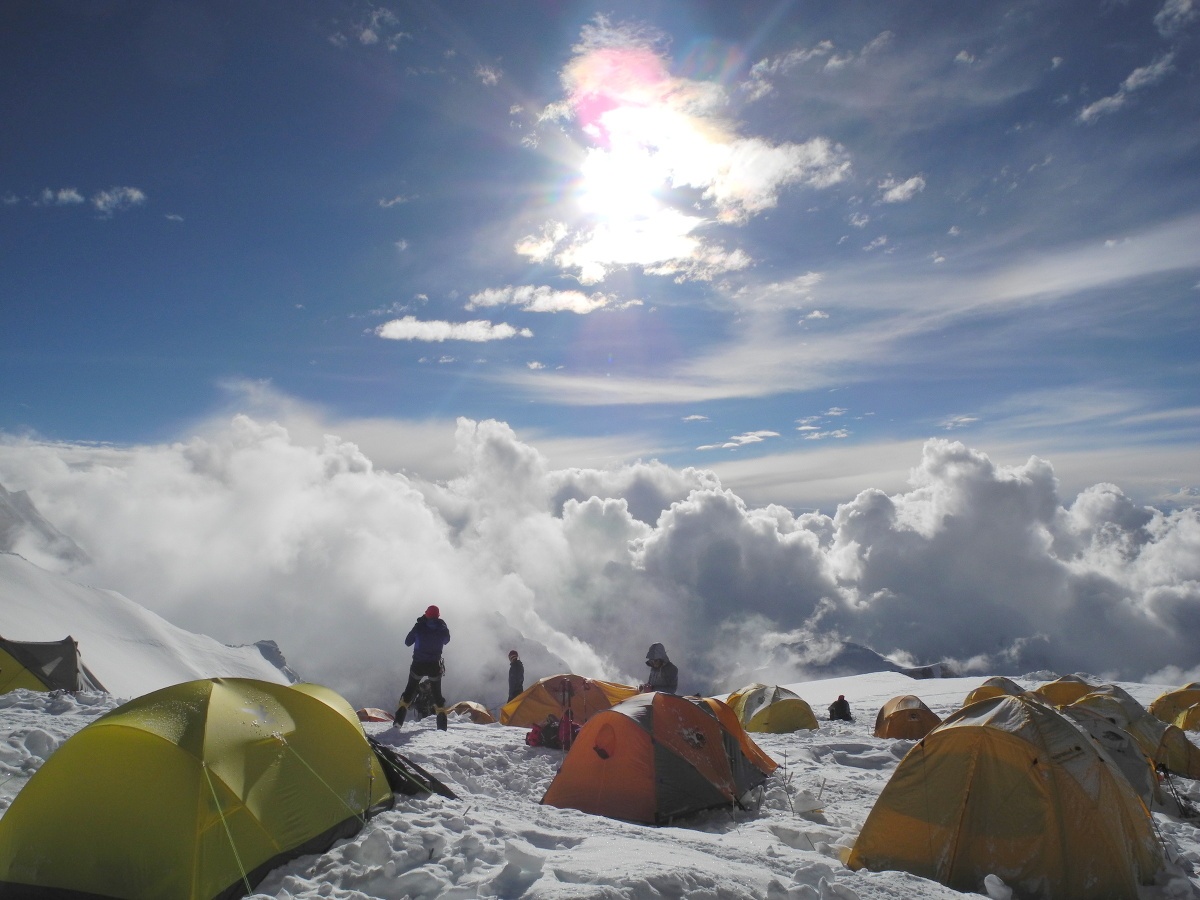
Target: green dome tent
(195,791)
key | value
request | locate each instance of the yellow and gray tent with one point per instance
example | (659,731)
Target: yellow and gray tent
(996,686)
(1180,707)
(44,666)
(771,709)
(1132,761)
(1010,787)
(192,792)
(905,717)
(1064,690)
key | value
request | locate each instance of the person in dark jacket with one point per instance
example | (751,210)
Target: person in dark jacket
(664,676)
(427,638)
(516,674)
(839,709)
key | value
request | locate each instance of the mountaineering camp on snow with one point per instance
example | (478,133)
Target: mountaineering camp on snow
(140,761)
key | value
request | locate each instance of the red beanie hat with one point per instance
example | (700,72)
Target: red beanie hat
(433,613)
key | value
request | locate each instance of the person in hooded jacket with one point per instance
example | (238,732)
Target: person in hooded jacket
(427,638)
(664,675)
(516,675)
(839,710)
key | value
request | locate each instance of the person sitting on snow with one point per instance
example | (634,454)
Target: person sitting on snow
(664,676)
(839,709)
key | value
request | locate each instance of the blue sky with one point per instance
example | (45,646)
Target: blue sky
(785,241)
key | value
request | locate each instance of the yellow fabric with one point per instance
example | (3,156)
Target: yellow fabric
(1064,690)
(771,709)
(126,808)
(1009,787)
(1173,707)
(14,675)
(905,717)
(587,696)
(996,686)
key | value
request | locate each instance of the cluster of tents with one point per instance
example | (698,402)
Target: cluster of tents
(1048,789)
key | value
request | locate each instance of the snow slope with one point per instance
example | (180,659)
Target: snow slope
(497,841)
(130,649)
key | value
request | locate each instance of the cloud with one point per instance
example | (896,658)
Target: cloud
(540,299)
(1174,16)
(411,328)
(823,55)
(62,197)
(1138,79)
(245,531)
(662,160)
(954,422)
(900,191)
(489,75)
(695,418)
(388,203)
(117,199)
(741,440)
(837,433)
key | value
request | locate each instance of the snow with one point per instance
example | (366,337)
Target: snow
(496,840)
(130,649)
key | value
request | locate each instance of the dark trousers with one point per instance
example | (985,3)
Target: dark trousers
(419,670)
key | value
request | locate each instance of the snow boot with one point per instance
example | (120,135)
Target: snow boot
(441,719)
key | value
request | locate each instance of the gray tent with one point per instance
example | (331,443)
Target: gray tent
(44,666)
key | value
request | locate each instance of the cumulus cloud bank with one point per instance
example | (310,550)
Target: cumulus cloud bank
(245,533)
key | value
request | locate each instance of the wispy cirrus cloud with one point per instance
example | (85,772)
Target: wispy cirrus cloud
(741,440)
(824,55)
(1138,79)
(410,328)
(893,191)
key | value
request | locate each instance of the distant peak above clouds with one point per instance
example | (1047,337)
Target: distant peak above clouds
(24,531)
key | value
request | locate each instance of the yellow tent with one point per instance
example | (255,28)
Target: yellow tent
(195,791)
(584,696)
(996,686)
(1010,787)
(1064,690)
(1176,707)
(771,709)
(477,712)
(1165,744)
(905,717)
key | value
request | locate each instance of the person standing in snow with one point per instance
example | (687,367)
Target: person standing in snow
(427,638)
(516,674)
(839,709)
(664,676)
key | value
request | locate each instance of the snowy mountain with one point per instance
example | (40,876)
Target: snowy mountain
(23,530)
(130,649)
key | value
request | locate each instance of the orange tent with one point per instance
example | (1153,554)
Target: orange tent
(374,714)
(583,696)
(905,717)
(477,711)
(656,757)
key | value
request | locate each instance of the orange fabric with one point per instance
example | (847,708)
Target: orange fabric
(617,782)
